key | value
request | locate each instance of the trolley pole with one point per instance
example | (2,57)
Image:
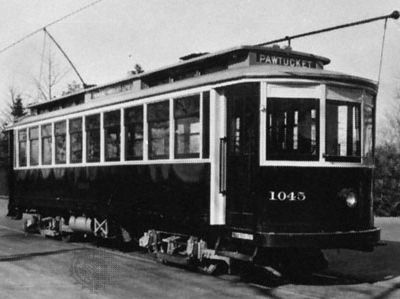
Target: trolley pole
(394,15)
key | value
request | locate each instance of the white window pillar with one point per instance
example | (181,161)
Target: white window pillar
(217,130)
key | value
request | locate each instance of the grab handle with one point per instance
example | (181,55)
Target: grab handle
(222,165)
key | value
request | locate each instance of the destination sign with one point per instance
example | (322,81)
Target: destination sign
(276,59)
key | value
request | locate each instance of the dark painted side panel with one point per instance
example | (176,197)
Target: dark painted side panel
(165,195)
(323,208)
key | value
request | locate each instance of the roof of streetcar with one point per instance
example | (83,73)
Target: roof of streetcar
(196,60)
(259,72)
(243,62)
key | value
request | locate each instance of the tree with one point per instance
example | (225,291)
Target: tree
(17,109)
(45,84)
(71,88)
(137,70)
(14,108)
(387,180)
(387,164)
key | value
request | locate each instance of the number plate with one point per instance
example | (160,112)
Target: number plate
(286,196)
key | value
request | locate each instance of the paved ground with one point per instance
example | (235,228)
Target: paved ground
(36,267)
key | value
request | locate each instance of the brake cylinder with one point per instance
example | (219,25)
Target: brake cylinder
(81,224)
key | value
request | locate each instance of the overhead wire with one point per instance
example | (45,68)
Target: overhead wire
(48,25)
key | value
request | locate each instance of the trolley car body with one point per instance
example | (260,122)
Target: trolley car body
(258,146)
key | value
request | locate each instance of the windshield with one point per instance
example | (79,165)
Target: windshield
(292,126)
(369,130)
(343,131)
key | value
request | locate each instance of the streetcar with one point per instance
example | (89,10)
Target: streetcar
(253,153)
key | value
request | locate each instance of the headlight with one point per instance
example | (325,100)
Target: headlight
(351,200)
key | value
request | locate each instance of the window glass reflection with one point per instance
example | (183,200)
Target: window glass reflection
(343,130)
(187,127)
(22,147)
(368,134)
(46,144)
(60,131)
(292,129)
(93,138)
(158,126)
(112,130)
(75,137)
(134,133)
(34,146)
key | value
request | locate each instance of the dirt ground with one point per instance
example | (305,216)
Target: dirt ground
(35,267)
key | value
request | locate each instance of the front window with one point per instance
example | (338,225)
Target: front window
(343,131)
(46,144)
(368,133)
(292,129)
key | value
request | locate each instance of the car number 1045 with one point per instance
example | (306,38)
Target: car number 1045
(283,196)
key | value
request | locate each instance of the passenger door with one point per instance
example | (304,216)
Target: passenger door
(242,156)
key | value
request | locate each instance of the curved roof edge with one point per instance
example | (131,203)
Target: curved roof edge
(254,72)
(188,62)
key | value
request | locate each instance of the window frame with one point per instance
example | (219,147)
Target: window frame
(31,145)
(160,121)
(346,158)
(112,126)
(88,130)
(71,133)
(56,135)
(128,125)
(289,88)
(300,157)
(176,119)
(205,94)
(368,160)
(24,141)
(42,142)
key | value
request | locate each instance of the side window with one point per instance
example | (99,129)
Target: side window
(369,133)
(75,138)
(60,139)
(134,133)
(46,144)
(158,126)
(22,147)
(93,138)
(343,132)
(187,127)
(112,130)
(34,146)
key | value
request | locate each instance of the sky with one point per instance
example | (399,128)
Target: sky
(106,40)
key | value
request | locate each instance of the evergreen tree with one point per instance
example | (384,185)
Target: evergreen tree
(17,108)
(138,69)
